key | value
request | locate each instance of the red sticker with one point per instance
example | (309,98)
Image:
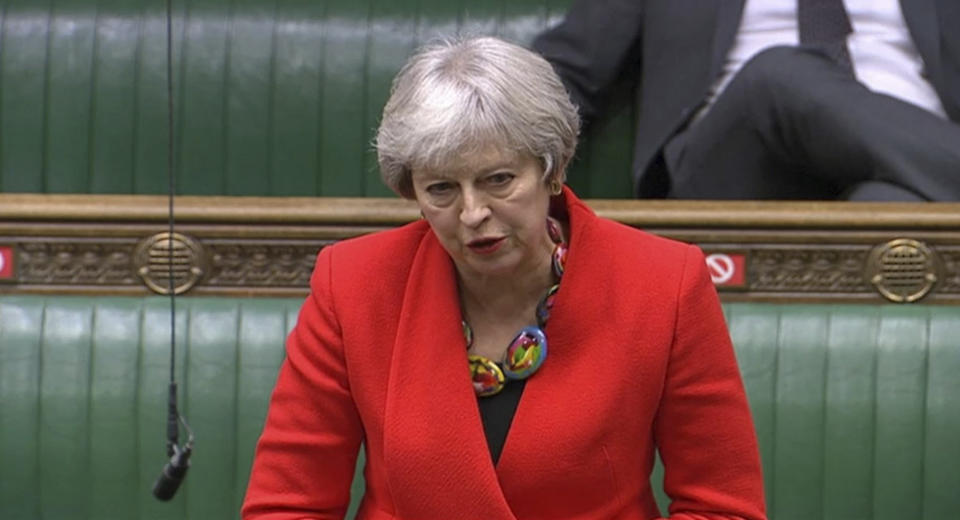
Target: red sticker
(727,269)
(6,262)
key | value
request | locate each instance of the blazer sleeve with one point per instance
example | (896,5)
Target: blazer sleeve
(305,458)
(703,427)
(593,45)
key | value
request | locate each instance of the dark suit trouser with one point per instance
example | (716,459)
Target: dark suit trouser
(792,124)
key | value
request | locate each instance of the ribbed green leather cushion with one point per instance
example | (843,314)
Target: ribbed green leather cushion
(272,98)
(856,406)
(83,387)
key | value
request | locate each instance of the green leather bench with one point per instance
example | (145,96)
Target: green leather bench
(273,98)
(856,406)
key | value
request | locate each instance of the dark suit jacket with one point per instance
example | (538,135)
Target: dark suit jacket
(639,359)
(677,49)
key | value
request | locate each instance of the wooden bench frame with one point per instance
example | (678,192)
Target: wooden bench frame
(264,246)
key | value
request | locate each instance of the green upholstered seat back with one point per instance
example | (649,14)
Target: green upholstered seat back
(855,405)
(83,387)
(272,98)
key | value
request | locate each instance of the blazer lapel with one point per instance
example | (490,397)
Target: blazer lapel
(728,16)
(933,27)
(548,388)
(557,386)
(921,18)
(436,455)
(948,60)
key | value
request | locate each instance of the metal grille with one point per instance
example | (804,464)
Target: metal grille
(153,259)
(903,270)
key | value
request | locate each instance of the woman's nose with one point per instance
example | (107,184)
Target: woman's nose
(475,209)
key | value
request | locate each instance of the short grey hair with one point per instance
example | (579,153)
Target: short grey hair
(461,96)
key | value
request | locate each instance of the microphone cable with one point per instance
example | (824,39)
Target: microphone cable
(175,470)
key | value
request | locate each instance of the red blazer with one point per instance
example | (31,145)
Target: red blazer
(639,359)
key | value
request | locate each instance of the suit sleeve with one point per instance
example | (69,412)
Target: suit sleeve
(703,428)
(591,48)
(305,458)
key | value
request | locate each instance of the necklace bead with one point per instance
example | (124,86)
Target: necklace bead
(546,305)
(559,259)
(487,377)
(525,353)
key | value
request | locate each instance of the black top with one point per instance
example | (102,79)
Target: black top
(496,412)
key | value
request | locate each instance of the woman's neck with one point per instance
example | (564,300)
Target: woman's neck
(503,297)
(507,296)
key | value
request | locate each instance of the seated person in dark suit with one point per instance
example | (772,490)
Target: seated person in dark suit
(776,99)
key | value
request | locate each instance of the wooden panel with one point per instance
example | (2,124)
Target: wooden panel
(765,251)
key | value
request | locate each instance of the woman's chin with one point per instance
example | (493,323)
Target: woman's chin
(489,266)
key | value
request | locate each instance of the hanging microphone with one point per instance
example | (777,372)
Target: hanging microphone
(174,471)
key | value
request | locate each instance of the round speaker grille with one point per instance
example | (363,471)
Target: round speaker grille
(903,270)
(155,256)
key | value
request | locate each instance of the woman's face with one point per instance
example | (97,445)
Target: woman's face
(489,211)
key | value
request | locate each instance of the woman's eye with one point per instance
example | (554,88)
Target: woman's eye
(440,188)
(500,179)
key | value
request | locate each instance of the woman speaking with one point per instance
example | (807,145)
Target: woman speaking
(511,355)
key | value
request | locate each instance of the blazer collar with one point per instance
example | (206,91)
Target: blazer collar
(921,19)
(728,16)
(433,435)
(946,62)
(548,392)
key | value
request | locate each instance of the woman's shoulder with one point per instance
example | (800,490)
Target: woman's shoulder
(635,244)
(376,253)
(624,242)
(629,264)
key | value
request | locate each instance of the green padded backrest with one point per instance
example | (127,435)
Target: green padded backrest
(855,405)
(272,98)
(83,387)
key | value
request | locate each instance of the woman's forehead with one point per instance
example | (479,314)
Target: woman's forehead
(479,159)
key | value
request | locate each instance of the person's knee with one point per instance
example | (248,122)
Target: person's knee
(788,78)
(773,68)
(882,191)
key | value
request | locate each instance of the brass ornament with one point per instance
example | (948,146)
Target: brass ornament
(903,270)
(151,260)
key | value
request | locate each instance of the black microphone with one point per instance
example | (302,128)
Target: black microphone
(173,472)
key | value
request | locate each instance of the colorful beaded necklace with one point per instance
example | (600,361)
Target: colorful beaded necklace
(529,347)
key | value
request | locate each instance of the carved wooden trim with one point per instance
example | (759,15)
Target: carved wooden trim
(394,211)
(777,251)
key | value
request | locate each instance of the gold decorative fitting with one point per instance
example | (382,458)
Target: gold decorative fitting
(152,261)
(903,270)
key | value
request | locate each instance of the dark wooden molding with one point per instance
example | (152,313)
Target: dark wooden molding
(259,246)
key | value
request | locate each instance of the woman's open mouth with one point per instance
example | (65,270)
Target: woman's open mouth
(485,246)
